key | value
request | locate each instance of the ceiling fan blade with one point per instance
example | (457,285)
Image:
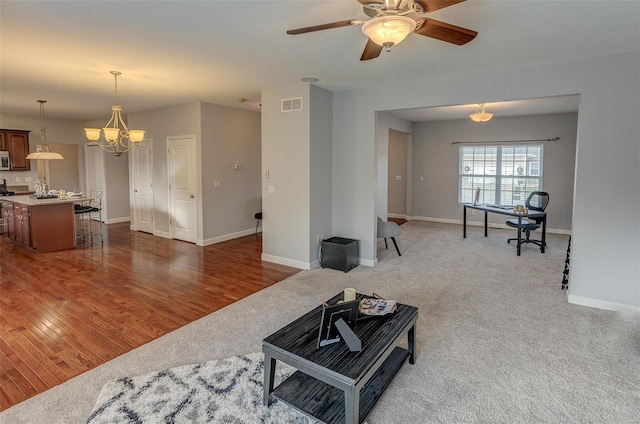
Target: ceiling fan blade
(371,50)
(331,25)
(445,32)
(431,5)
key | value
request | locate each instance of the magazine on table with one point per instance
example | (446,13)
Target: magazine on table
(376,306)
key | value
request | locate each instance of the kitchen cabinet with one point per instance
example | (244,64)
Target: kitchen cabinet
(22,224)
(8,224)
(46,225)
(16,142)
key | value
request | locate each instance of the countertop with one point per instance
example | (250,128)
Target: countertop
(31,201)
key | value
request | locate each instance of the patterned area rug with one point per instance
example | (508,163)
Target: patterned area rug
(223,391)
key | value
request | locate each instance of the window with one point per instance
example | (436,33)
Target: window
(506,175)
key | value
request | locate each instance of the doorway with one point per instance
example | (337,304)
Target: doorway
(183,187)
(399,175)
(142,176)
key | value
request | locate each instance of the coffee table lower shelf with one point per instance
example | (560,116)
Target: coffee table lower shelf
(326,403)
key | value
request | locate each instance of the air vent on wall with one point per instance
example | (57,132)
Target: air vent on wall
(292,105)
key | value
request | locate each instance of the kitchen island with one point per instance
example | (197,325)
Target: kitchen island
(44,225)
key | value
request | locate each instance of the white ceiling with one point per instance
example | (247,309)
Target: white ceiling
(175,52)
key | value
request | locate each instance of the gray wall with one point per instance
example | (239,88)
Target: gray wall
(397,188)
(321,128)
(605,269)
(160,124)
(286,235)
(59,131)
(64,173)
(436,159)
(230,137)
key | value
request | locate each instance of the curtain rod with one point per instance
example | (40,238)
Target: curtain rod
(505,141)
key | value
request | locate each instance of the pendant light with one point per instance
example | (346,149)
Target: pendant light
(44,153)
(481,115)
(118,137)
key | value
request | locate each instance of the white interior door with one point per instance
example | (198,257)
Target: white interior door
(142,163)
(182,176)
(94,166)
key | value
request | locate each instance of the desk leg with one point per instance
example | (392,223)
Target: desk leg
(464,222)
(544,233)
(486,223)
(411,336)
(269,375)
(352,405)
(519,232)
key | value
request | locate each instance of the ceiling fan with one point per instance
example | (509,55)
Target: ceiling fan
(390,24)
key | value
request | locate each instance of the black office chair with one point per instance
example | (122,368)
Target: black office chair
(537,201)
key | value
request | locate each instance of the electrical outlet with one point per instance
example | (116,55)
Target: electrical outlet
(271,189)
(27,179)
(216,183)
(17,179)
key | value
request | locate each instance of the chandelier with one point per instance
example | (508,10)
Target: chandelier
(389,30)
(117,140)
(43,152)
(481,115)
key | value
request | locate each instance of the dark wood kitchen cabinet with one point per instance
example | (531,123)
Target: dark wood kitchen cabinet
(22,224)
(8,223)
(16,142)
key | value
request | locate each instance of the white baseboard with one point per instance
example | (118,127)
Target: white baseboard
(285,261)
(163,234)
(117,220)
(225,237)
(315,264)
(368,262)
(481,224)
(397,215)
(603,304)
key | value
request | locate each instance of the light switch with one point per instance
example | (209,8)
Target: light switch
(17,179)
(216,183)
(398,177)
(271,189)
(421,178)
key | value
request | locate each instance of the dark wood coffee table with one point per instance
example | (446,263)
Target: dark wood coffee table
(333,384)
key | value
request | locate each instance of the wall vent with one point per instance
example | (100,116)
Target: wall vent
(292,105)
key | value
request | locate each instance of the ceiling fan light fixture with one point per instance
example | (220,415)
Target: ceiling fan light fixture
(481,115)
(387,31)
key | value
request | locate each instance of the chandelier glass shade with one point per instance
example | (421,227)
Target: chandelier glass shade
(481,115)
(43,152)
(387,31)
(118,138)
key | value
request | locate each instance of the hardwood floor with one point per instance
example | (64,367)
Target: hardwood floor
(64,313)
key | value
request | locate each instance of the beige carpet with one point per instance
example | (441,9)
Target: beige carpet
(496,340)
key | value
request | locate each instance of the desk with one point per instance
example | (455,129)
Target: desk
(508,212)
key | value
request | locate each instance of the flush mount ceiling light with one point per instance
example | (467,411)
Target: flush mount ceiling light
(481,115)
(43,153)
(387,31)
(118,141)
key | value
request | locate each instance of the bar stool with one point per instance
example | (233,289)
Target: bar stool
(87,212)
(258,217)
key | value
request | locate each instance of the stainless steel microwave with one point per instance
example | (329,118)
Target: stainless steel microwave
(5,165)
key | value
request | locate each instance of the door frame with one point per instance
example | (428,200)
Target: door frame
(197,188)
(132,188)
